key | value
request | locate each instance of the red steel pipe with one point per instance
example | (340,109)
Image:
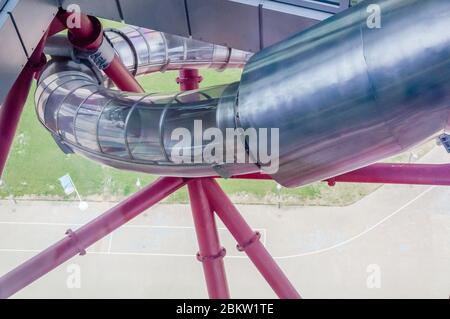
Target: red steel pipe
(11,110)
(10,113)
(417,174)
(211,253)
(385,173)
(121,76)
(77,241)
(89,37)
(248,241)
(189,79)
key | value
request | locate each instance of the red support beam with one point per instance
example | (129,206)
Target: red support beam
(121,76)
(11,110)
(10,113)
(189,79)
(211,254)
(385,173)
(248,241)
(89,37)
(77,241)
(410,174)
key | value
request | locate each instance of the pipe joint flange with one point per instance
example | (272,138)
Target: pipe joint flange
(256,237)
(73,236)
(221,254)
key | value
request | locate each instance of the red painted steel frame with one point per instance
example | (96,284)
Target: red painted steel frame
(10,113)
(77,241)
(385,173)
(205,194)
(189,79)
(11,110)
(211,253)
(248,241)
(89,37)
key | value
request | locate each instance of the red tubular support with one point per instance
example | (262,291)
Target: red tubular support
(89,34)
(89,37)
(77,241)
(11,110)
(189,79)
(417,174)
(121,76)
(211,253)
(248,241)
(10,113)
(385,173)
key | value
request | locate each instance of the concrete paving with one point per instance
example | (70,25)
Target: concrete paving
(395,243)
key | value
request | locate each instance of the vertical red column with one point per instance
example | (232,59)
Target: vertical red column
(248,241)
(189,79)
(211,253)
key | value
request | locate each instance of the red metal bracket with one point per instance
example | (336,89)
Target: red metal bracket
(76,243)
(220,255)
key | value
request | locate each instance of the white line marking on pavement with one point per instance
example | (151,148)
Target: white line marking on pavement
(349,240)
(117,253)
(310,253)
(110,240)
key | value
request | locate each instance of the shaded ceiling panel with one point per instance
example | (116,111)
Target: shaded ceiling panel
(32,18)
(230,23)
(295,19)
(12,55)
(162,15)
(242,24)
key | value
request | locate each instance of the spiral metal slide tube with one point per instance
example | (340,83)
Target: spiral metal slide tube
(343,94)
(146,51)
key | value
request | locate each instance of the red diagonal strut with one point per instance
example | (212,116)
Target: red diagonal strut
(77,241)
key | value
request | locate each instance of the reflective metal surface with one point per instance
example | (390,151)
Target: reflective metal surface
(131,131)
(145,51)
(344,95)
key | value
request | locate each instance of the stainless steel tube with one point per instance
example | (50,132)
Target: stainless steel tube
(343,94)
(133,131)
(346,94)
(145,51)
